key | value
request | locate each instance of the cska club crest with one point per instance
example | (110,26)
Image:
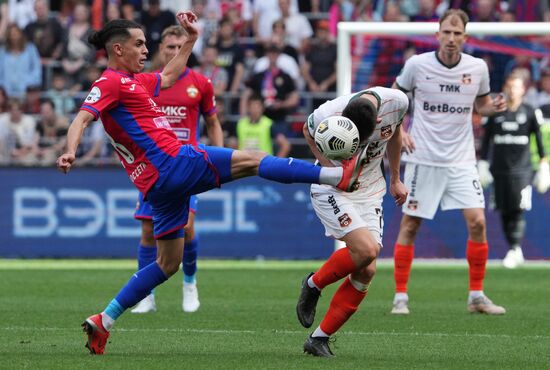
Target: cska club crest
(466,78)
(192,91)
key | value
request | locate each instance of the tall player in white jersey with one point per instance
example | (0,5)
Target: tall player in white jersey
(355,218)
(440,155)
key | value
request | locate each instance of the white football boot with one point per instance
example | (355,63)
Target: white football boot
(513,258)
(482,304)
(400,304)
(190,297)
(146,305)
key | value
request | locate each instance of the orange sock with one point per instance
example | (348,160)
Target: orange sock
(476,254)
(338,265)
(402,260)
(345,302)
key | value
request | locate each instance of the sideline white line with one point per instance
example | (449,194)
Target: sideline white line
(211,264)
(288,332)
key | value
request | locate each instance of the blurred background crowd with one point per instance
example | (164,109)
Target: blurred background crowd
(282,51)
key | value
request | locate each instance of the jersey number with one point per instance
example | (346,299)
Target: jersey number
(121,150)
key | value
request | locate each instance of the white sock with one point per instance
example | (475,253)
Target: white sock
(401,297)
(311,283)
(475,294)
(331,175)
(107,321)
(319,333)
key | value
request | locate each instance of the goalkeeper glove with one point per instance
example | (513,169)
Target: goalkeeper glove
(542,178)
(485,177)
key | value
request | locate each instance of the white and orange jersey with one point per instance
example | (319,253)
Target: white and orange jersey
(443,104)
(393,105)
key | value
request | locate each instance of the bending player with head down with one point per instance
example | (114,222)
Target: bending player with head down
(166,172)
(354,218)
(440,155)
(183,103)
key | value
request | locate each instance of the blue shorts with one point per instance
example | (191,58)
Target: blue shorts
(145,212)
(194,170)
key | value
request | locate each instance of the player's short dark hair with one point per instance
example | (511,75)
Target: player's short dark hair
(115,30)
(461,14)
(363,113)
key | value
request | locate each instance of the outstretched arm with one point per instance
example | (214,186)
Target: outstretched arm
(176,66)
(74,134)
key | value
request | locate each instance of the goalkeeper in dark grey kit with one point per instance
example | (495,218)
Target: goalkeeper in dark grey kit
(506,145)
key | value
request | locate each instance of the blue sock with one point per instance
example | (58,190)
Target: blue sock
(288,170)
(146,255)
(137,288)
(189,264)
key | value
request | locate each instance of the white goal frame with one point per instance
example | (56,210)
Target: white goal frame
(347,29)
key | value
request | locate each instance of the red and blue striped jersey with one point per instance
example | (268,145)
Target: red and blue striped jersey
(134,124)
(183,103)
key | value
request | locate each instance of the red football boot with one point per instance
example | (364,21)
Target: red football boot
(352,169)
(97,334)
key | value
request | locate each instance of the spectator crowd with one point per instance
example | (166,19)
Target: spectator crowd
(271,62)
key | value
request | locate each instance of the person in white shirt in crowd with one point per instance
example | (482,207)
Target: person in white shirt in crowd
(265,12)
(21,141)
(298,29)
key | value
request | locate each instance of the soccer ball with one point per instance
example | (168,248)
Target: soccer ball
(337,138)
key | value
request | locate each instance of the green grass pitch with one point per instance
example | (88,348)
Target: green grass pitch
(247,319)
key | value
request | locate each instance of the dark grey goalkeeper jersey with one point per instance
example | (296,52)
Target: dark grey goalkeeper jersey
(507,138)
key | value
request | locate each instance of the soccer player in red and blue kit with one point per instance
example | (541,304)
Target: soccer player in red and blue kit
(163,170)
(183,103)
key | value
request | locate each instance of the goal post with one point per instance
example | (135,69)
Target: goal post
(347,29)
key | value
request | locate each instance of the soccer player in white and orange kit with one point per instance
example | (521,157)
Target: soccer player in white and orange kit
(440,155)
(355,218)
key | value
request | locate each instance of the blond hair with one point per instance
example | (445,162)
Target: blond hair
(177,31)
(461,14)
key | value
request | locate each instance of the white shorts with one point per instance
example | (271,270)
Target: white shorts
(341,215)
(452,187)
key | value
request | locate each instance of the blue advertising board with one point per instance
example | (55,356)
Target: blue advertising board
(89,213)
